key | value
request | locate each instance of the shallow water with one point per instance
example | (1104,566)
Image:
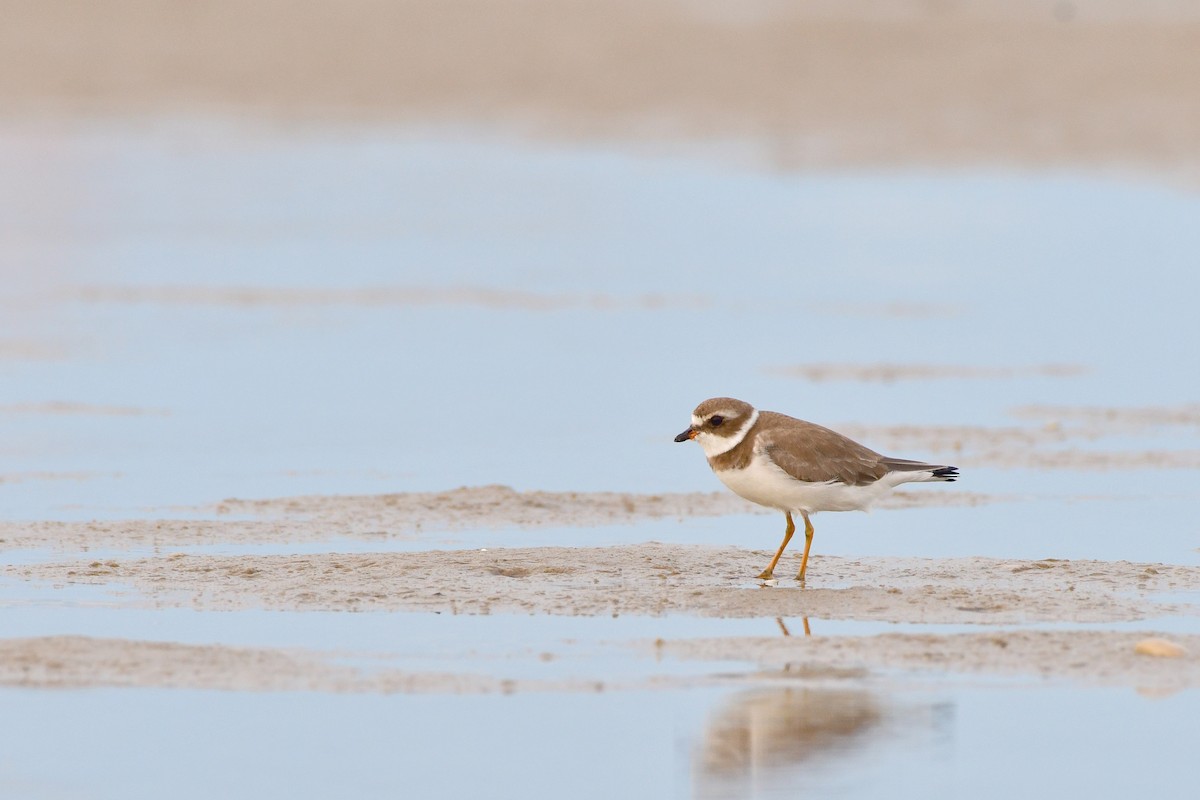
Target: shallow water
(943,741)
(331,393)
(433,311)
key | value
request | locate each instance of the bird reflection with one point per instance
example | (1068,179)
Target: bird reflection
(784,628)
(763,731)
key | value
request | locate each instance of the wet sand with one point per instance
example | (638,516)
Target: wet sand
(1089,657)
(76,662)
(645,579)
(380,296)
(1056,597)
(318,518)
(889,373)
(1085,657)
(79,409)
(1086,84)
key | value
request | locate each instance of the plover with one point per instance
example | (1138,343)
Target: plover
(796,466)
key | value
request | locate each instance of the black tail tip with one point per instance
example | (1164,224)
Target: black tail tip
(946,473)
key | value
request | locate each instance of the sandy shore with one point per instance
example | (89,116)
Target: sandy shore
(1088,657)
(645,579)
(891,373)
(245,297)
(73,662)
(1034,618)
(403,515)
(811,84)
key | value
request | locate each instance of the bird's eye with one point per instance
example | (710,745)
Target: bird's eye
(716,420)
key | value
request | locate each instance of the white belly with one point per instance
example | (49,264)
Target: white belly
(766,484)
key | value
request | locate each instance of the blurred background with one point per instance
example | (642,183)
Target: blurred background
(271,248)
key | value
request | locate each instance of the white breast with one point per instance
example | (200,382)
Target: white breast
(764,483)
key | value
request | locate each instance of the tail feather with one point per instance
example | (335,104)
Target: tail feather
(946,473)
(939,472)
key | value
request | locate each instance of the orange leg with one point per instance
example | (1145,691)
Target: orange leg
(787,537)
(808,534)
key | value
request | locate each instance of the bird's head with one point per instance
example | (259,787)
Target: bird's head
(719,424)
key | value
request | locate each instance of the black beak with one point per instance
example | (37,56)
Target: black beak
(690,433)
